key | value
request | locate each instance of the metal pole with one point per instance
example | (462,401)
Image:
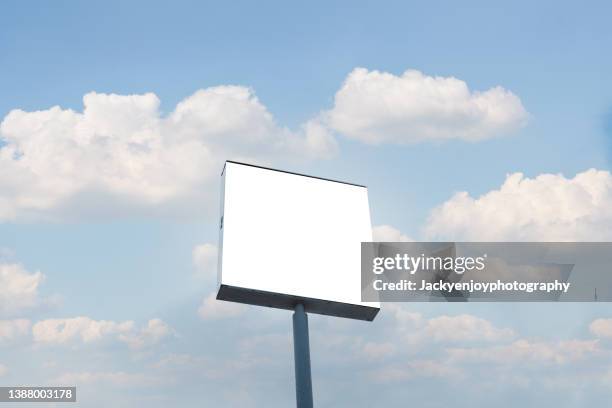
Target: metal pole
(301,353)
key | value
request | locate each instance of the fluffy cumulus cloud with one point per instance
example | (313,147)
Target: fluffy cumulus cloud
(204,258)
(378,107)
(464,328)
(152,333)
(525,351)
(120,155)
(549,207)
(213,309)
(387,233)
(445,328)
(18,288)
(86,330)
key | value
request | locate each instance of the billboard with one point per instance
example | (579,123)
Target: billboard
(287,238)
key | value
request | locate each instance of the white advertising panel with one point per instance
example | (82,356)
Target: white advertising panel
(287,238)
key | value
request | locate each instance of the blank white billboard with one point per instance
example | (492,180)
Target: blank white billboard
(287,238)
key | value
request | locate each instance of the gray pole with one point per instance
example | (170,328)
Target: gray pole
(301,353)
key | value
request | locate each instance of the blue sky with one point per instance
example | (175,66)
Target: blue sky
(127,249)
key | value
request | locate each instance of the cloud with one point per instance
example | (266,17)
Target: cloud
(529,352)
(86,330)
(213,309)
(155,331)
(18,289)
(464,328)
(404,320)
(121,156)
(378,107)
(387,233)
(548,207)
(601,328)
(205,260)
(444,328)
(11,330)
(3,370)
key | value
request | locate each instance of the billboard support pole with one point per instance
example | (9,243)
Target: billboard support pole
(301,354)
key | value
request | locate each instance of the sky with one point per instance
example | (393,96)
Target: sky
(470,121)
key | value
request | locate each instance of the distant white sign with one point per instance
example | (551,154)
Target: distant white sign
(288,238)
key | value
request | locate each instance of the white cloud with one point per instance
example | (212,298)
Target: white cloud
(464,328)
(121,156)
(529,352)
(379,107)
(319,141)
(213,309)
(11,330)
(18,288)
(445,329)
(404,319)
(205,260)
(155,331)
(387,233)
(3,370)
(86,330)
(548,207)
(601,328)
